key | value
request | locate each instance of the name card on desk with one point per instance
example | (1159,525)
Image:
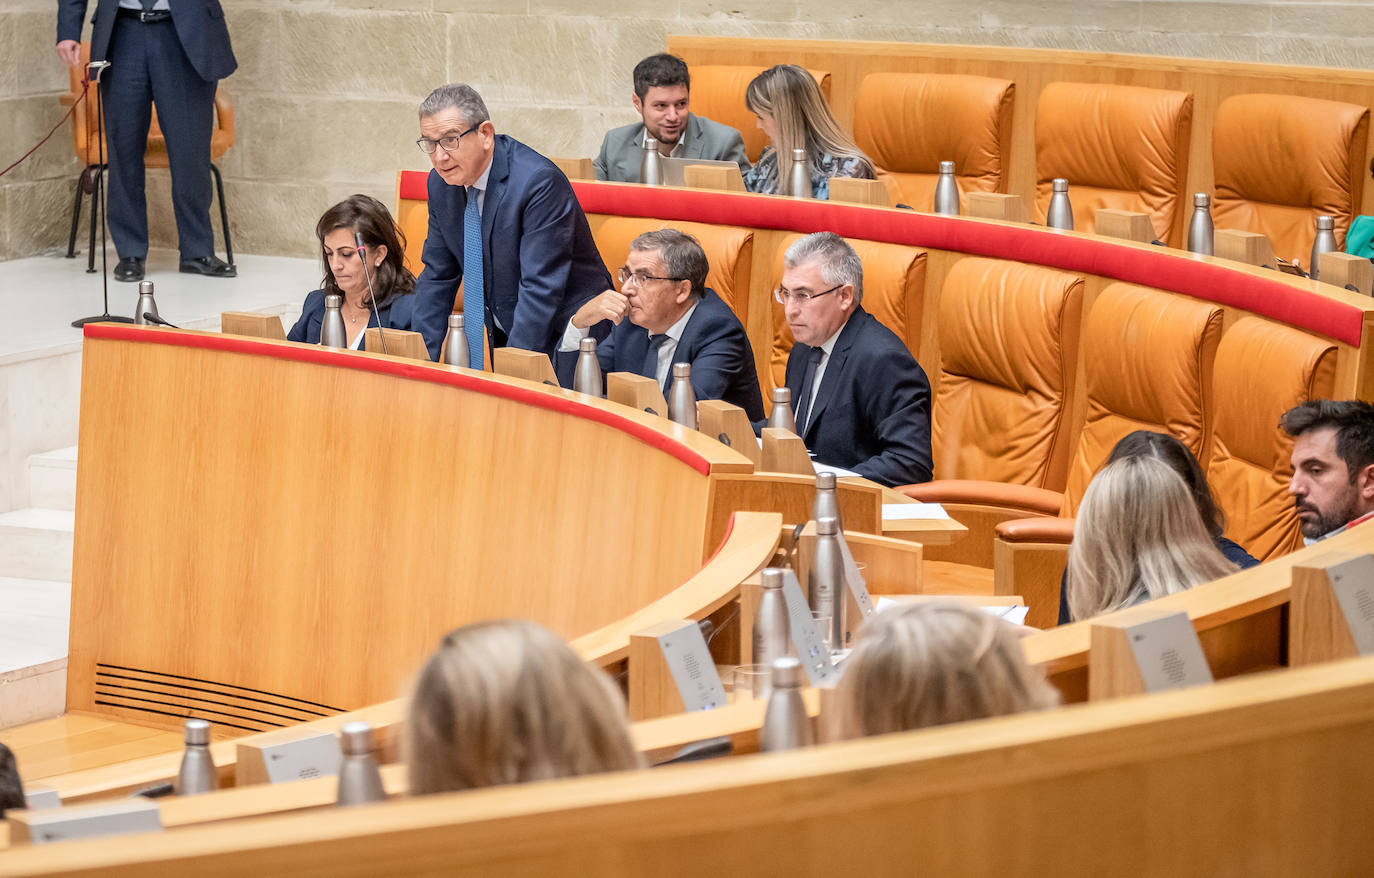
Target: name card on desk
(693,670)
(914,512)
(39,798)
(1353,584)
(88,821)
(807,639)
(1168,653)
(315,756)
(857,588)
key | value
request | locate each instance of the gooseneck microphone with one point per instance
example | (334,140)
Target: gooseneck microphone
(153,318)
(371,293)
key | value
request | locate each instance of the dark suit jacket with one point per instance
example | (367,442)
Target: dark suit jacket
(872,411)
(395,315)
(714,343)
(623,148)
(199,25)
(541,262)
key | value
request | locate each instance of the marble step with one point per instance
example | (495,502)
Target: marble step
(52,479)
(36,543)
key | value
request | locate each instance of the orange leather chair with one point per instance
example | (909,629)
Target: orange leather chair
(1148,358)
(1262,370)
(718,94)
(894,292)
(1281,160)
(910,122)
(1119,146)
(87,146)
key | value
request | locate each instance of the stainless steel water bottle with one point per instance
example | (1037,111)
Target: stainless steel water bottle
(1060,213)
(825,580)
(947,191)
(146,303)
(1200,230)
(360,780)
(682,400)
(826,504)
(781,416)
(587,375)
(651,164)
(197,773)
(799,175)
(785,723)
(772,629)
(332,332)
(1324,242)
(456,345)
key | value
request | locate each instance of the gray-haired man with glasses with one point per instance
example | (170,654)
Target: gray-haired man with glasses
(861,400)
(503,220)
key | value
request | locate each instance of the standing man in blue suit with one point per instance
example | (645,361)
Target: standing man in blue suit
(171,53)
(673,318)
(503,220)
(861,401)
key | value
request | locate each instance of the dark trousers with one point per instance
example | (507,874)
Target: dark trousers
(149,67)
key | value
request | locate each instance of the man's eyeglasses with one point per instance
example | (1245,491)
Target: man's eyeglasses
(449,141)
(784,296)
(628,277)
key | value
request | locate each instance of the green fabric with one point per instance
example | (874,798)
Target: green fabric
(1359,241)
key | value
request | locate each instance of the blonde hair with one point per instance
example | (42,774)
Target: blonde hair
(790,95)
(508,702)
(931,663)
(1138,536)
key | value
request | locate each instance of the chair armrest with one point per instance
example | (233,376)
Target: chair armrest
(1037,530)
(973,491)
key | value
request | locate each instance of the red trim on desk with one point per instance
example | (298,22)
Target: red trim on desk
(415,371)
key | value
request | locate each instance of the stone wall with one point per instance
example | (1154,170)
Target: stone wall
(326,90)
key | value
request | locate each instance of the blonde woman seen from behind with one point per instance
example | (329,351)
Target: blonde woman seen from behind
(1138,536)
(794,115)
(508,702)
(935,662)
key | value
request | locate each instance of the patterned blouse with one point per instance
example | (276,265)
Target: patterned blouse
(763,176)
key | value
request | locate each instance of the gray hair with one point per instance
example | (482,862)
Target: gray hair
(839,263)
(456,95)
(681,254)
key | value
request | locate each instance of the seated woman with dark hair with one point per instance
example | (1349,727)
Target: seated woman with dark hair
(344,274)
(1138,536)
(794,115)
(509,702)
(1172,452)
(931,663)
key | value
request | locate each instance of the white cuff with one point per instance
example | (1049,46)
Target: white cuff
(572,337)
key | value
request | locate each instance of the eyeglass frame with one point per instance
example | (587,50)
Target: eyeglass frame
(626,276)
(439,144)
(801,298)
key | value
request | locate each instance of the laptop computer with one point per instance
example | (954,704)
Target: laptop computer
(672,168)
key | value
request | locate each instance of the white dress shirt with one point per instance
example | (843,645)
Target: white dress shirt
(669,346)
(159,6)
(826,348)
(675,152)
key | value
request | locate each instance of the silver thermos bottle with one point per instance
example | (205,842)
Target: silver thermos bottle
(332,332)
(197,773)
(1200,232)
(826,504)
(947,191)
(146,303)
(650,164)
(456,345)
(360,780)
(682,400)
(772,630)
(781,416)
(1325,242)
(785,723)
(799,175)
(587,375)
(825,580)
(1060,214)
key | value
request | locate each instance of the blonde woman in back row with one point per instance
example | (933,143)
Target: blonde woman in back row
(1138,536)
(931,663)
(509,702)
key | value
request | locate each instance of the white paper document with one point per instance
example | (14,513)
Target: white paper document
(839,473)
(913,511)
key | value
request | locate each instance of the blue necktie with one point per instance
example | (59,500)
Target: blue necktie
(650,367)
(474,289)
(813,359)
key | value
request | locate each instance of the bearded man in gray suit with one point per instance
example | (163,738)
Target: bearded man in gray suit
(662,95)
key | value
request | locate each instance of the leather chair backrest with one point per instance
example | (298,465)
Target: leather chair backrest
(1147,365)
(1119,146)
(718,94)
(729,252)
(910,122)
(1008,362)
(894,292)
(1262,370)
(1281,160)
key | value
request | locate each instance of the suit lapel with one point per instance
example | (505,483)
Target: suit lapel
(834,369)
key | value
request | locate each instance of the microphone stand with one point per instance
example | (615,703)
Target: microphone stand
(104,316)
(371,293)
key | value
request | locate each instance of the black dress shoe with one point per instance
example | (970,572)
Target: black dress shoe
(210,266)
(130,268)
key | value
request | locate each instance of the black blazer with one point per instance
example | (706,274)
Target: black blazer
(713,341)
(540,259)
(872,411)
(396,315)
(199,25)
